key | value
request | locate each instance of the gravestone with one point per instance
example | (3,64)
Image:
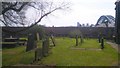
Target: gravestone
(45,47)
(76,40)
(38,54)
(31,42)
(102,43)
(38,37)
(53,40)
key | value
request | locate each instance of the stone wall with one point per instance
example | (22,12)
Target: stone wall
(91,32)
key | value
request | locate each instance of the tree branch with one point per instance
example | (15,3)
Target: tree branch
(63,6)
(13,8)
(3,22)
(35,22)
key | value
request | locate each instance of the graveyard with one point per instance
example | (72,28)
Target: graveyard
(65,53)
(26,42)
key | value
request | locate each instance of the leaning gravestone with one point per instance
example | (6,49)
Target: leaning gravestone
(53,40)
(31,42)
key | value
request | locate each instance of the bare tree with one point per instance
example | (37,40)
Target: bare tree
(14,12)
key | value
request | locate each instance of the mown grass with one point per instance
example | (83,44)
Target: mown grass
(17,55)
(63,55)
(88,43)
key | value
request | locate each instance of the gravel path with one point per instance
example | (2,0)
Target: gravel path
(115,46)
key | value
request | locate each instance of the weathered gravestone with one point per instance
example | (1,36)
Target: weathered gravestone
(38,37)
(31,42)
(76,40)
(102,43)
(38,54)
(53,40)
(45,47)
(42,52)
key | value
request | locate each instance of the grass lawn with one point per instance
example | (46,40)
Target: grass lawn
(17,55)
(89,43)
(63,55)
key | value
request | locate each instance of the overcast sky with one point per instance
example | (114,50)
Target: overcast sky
(82,11)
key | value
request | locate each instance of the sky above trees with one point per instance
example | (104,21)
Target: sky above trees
(82,11)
